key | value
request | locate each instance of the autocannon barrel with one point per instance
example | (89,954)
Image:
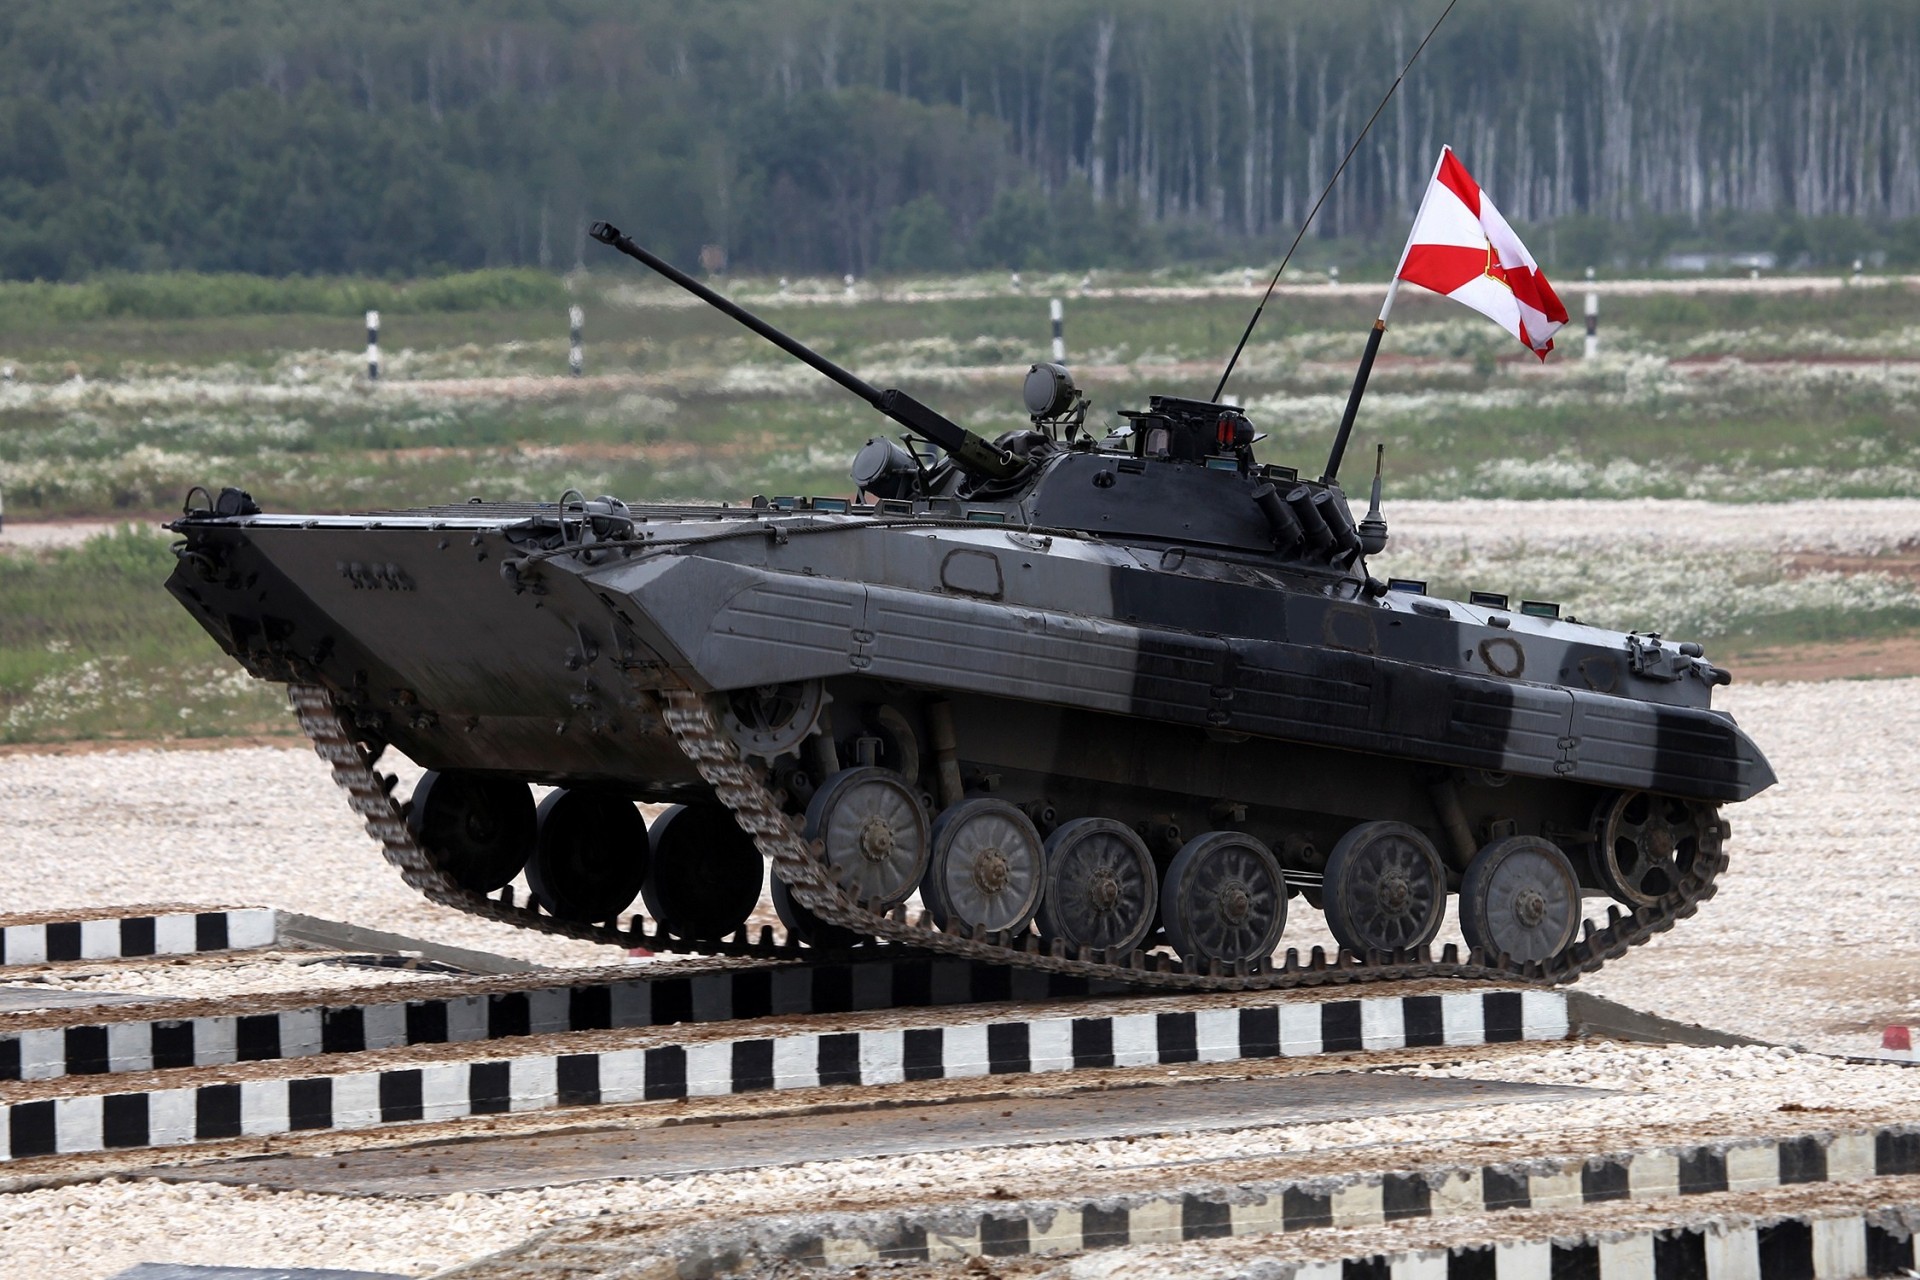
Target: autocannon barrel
(970,452)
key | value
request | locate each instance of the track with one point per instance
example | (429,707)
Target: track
(759,813)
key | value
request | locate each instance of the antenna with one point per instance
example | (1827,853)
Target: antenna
(1373,529)
(1325,192)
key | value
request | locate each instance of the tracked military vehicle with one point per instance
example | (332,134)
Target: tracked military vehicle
(1111,704)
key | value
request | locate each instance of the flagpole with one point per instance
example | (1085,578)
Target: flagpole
(1373,339)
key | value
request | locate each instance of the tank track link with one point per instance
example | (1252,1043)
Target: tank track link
(781,840)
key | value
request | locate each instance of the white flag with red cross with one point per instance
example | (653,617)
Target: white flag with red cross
(1462,247)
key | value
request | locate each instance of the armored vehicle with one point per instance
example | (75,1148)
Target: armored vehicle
(1111,704)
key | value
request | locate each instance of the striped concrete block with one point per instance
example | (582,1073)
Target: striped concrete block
(719,1067)
(1843,1247)
(118,937)
(1794,1247)
(647,1000)
(1360,1200)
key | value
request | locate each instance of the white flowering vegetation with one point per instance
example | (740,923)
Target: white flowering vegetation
(1639,579)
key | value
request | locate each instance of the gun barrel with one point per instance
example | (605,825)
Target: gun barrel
(607,233)
(970,452)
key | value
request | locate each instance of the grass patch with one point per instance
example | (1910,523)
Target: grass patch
(92,646)
(188,295)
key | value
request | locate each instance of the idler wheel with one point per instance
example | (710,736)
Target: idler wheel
(768,720)
(874,832)
(1224,899)
(477,829)
(1385,889)
(590,857)
(800,922)
(1520,898)
(1100,889)
(985,868)
(703,880)
(1645,845)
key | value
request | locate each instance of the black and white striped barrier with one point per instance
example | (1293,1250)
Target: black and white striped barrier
(576,354)
(1057,314)
(719,1067)
(174,933)
(118,937)
(647,1000)
(1823,1247)
(1592,347)
(373,346)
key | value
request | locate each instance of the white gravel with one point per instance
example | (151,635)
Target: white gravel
(1814,936)
(1834,526)
(262,826)
(209,976)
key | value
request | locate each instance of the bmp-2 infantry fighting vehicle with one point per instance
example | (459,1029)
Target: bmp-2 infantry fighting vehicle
(1106,704)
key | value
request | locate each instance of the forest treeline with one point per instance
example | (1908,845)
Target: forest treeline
(418,136)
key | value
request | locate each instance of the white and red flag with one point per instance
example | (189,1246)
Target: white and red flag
(1462,247)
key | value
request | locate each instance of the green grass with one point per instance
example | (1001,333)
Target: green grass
(185,295)
(1822,626)
(92,646)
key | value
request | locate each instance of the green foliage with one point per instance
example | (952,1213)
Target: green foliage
(126,554)
(184,295)
(920,237)
(370,139)
(1015,231)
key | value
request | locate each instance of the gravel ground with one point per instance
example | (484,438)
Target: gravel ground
(260,825)
(210,975)
(1836,526)
(1814,937)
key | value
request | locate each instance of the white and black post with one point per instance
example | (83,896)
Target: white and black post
(1592,348)
(576,357)
(373,346)
(1059,317)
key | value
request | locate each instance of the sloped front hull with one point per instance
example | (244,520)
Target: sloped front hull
(414,629)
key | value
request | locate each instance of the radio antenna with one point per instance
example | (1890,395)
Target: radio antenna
(1325,192)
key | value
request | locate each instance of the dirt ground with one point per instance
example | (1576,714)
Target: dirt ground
(1884,658)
